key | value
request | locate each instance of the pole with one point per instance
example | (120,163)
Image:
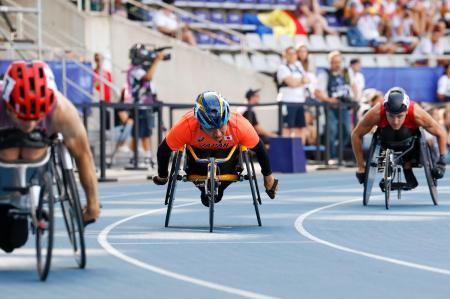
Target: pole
(103,177)
(340,135)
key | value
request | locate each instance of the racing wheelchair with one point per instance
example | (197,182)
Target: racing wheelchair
(388,162)
(33,194)
(212,180)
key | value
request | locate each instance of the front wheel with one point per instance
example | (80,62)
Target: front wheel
(44,228)
(387,179)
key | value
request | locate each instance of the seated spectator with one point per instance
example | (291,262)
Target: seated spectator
(369,26)
(444,11)
(443,89)
(423,12)
(167,23)
(310,16)
(430,49)
(253,98)
(353,9)
(403,28)
(123,124)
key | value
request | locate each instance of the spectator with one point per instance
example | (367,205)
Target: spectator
(423,12)
(305,59)
(359,83)
(253,98)
(292,80)
(369,26)
(141,90)
(121,133)
(334,87)
(430,49)
(310,16)
(403,28)
(443,89)
(353,9)
(167,23)
(104,90)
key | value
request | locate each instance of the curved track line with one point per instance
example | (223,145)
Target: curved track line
(301,229)
(103,240)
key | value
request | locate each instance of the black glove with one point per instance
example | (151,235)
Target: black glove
(159,180)
(361,176)
(439,170)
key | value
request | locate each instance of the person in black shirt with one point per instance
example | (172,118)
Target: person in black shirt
(253,98)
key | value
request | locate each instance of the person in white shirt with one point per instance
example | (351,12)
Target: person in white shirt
(167,23)
(403,28)
(430,47)
(357,78)
(292,80)
(443,89)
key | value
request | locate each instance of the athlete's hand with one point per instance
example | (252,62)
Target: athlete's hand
(439,171)
(159,180)
(361,176)
(271,185)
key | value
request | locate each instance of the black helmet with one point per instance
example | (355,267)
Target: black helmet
(138,54)
(396,100)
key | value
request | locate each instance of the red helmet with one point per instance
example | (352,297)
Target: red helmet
(29,89)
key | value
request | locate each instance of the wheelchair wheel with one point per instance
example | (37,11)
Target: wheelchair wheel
(427,163)
(371,169)
(253,184)
(388,177)
(256,183)
(44,228)
(211,191)
(173,177)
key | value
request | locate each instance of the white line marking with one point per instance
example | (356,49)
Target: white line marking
(301,229)
(103,240)
(201,243)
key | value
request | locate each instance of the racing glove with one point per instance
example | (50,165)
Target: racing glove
(159,180)
(361,176)
(439,170)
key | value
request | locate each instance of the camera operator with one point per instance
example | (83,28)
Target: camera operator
(144,62)
(335,86)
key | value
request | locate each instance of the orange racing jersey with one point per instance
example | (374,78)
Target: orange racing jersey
(187,131)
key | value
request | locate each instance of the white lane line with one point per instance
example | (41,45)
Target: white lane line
(302,230)
(103,240)
(218,242)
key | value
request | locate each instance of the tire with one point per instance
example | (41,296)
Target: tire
(387,179)
(44,228)
(71,210)
(253,185)
(371,169)
(427,163)
(211,185)
(170,194)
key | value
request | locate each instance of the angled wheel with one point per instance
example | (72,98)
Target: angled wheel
(388,177)
(258,195)
(44,227)
(253,185)
(173,177)
(211,191)
(427,163)
(71,210)
(371,168)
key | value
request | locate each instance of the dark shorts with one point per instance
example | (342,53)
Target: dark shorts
(13,232)
(295,117)
(146,122)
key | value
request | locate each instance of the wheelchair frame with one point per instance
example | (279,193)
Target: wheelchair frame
(388,162)
(212,179)
(40,195)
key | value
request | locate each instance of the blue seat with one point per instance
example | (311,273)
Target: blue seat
(249,1)
(218,16)
(284,2)
(219,41)
(203,39)
(202,14)
(234,17)
(266,1)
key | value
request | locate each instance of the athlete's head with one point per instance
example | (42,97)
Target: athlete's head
(396,103)
(29,92)
(212,112)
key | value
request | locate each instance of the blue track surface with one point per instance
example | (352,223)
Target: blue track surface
(317,241)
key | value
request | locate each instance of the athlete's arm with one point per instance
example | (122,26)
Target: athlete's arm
(67,122)
(369,120)
(163,156)
(425,120)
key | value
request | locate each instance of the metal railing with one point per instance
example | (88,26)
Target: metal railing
(320,150)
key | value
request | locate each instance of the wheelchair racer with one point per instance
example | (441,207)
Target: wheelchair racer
(31,107)
(212,129)
(398,120)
